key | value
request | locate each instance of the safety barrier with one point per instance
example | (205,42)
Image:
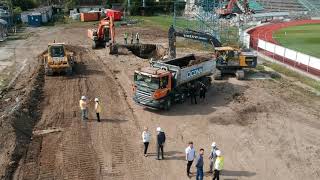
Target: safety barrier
(260,39)
(293,58)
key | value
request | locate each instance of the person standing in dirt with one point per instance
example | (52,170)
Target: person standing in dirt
(125,38)
(218,165)
(146,139)
(190,155)
(97,107)
(212,156)
(202,92)
(83,107)
(199,165)
(193,92)
(137,38)
(161,139)
(132,38)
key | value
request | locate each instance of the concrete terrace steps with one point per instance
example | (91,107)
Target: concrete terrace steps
(281,5)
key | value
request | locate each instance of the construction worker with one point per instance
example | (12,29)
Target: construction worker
(83,107)
(146,139)
(97,108)
(125,38)
(137,38)
(132,38)
(212,156)
(193,92)
(199,165)
(161,139)
(218,165)
(202,92)
(190,155)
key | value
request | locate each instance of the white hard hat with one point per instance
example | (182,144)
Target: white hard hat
(83,98)
(96,100)
(218,152)
(159,129)
(213,144)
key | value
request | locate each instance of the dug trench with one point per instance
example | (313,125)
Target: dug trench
(82,149)
(145,51)
(22,118)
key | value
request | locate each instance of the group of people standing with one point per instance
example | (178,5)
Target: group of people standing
(137,37)
(84,102)
(161,139)
(193,92)
(215,158)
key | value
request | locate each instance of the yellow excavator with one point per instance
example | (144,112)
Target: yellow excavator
(229,60)
(58,59)
(232,60)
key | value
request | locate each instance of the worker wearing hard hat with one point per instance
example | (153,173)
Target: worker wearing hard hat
(137,38)
(213,155)
(83,107)
(161,139)
(218,165)
(97,108)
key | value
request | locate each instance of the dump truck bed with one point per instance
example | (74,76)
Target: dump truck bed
(188,68)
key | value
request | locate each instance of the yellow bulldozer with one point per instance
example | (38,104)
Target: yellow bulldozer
(58,59)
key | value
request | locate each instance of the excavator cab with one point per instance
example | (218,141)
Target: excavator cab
(233,60)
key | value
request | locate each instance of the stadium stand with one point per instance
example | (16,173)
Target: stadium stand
(282,5)
(312,5)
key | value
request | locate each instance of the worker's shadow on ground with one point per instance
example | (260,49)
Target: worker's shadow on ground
(113,120)
(220,94)
(236,174)
(171,155)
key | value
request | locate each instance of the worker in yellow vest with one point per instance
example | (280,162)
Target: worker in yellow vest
(83,107)
(218,165)
(97,108)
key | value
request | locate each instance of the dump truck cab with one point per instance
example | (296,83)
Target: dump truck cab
(58,59)
(152,86)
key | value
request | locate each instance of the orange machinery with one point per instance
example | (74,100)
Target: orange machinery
(104,34)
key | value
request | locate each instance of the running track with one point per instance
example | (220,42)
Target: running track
(265,33)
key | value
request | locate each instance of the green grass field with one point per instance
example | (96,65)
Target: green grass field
(304,38)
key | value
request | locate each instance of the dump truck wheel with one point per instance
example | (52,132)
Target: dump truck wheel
(240,75)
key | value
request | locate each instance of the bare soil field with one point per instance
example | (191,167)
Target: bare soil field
(266,129)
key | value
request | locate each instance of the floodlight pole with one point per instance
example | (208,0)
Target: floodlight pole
(174,14)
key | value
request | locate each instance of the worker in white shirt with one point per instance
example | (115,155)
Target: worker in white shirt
(83,107)
(97,107)
(190,156)
(146,139)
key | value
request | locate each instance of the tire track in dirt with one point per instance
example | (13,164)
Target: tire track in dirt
(125,161)
(65,155)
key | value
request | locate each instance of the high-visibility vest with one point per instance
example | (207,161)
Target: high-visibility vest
(98,107)
(218,165)
(83,104)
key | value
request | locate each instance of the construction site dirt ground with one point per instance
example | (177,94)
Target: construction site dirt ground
(266,129)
